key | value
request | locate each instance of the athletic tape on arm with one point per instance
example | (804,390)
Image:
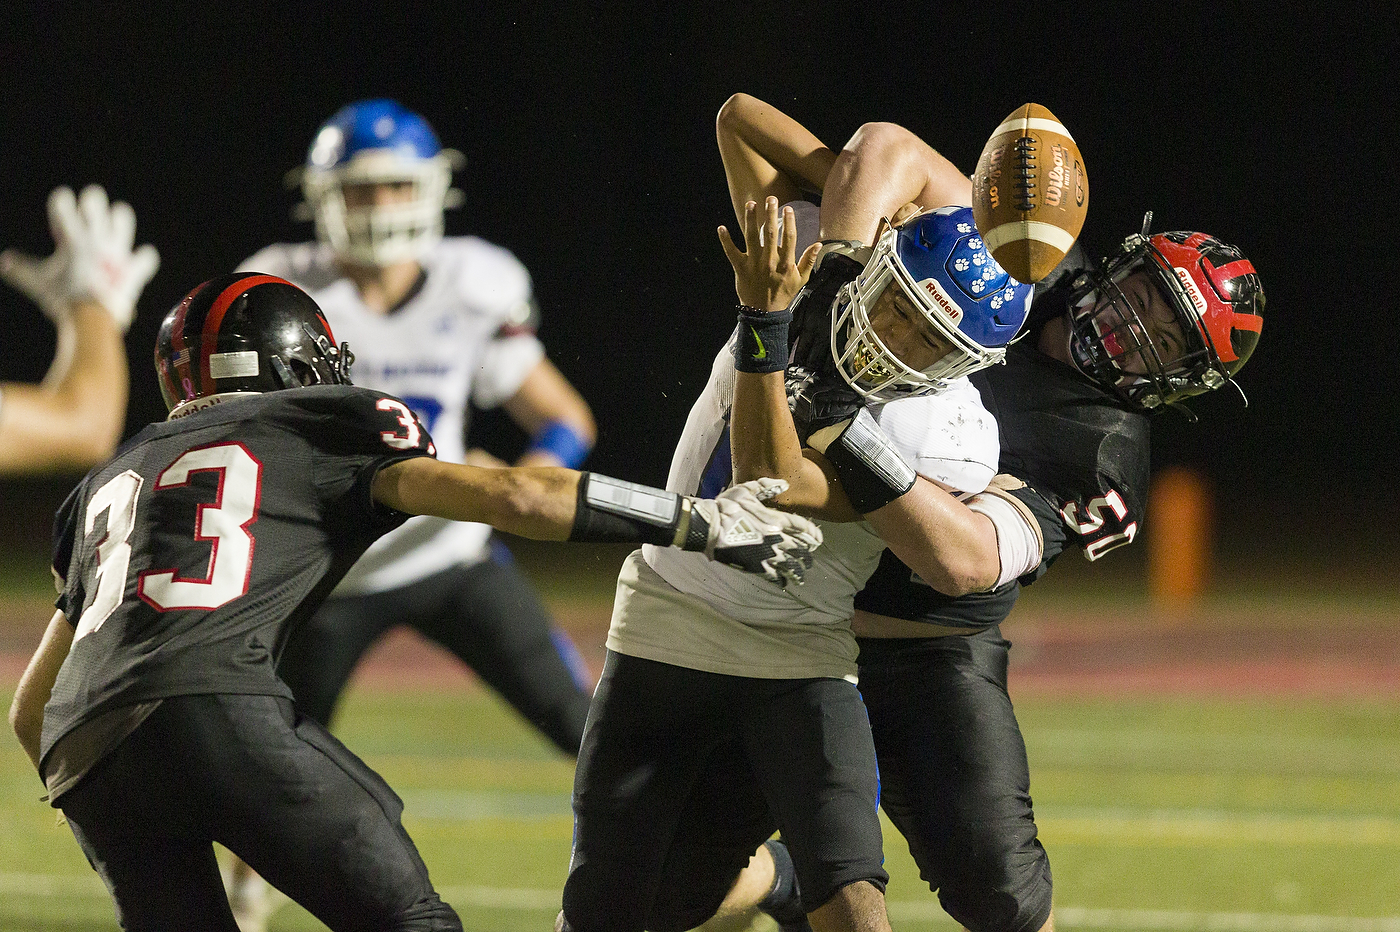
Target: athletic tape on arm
(1020,541)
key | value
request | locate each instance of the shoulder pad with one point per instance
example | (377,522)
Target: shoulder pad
(488,278)
(310,266)
(352,420)
(1076,445)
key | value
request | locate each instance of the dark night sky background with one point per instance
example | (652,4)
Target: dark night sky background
(590,145)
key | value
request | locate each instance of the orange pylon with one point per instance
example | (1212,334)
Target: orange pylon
(1178,537)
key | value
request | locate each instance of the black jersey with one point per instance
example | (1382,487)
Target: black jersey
(1084,459)
(1081,452)
(186,560)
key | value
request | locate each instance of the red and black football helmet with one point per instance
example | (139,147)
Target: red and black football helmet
(246,332)
(1214,296)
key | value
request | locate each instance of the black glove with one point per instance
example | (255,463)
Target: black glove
(819,399)
(810,331)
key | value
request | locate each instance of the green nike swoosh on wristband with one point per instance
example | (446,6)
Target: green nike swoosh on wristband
(762,350)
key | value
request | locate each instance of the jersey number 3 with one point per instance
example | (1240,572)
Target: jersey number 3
(224,523)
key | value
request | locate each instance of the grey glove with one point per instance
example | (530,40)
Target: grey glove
(737,529)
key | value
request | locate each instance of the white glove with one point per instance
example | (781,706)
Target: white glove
(737,529)
(93,258)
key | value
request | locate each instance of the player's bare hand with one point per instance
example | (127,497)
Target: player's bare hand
(741,531)
(770,273)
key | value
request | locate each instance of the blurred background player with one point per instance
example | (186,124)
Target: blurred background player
(152,707)
(1164,318)
(87,289)
(439,322)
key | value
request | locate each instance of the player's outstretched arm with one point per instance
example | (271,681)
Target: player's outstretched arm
(36,684)
(534,502)
(766,152)
(880,170)
(73,418)
(546,503)
(88,287)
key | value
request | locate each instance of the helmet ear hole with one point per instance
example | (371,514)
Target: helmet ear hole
(283,374)
(304,373)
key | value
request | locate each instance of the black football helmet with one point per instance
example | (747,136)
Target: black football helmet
(246,332)
(1213,295)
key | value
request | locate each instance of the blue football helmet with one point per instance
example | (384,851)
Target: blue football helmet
(379,142)
(939,262)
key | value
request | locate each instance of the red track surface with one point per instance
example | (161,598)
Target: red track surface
(1335,653)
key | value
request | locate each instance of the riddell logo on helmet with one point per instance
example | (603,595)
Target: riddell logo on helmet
(1197,299)
(940,297)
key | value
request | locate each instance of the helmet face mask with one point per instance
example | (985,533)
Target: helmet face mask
(1166,317)
(370,144)
(243,333)
(936,265)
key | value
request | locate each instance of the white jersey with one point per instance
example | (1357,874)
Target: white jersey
(460,337)
(718,619)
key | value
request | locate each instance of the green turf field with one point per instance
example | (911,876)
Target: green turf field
(1158,813)
(1161,812)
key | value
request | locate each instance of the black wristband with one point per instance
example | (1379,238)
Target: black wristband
(871,470)
(763,340)
(610,511)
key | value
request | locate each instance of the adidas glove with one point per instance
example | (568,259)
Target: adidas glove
(735,528)
(738,530)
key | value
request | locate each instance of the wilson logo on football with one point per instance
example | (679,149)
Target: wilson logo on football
(940,298)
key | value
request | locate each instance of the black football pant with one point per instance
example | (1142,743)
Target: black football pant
(954,778)
(683,774)
(487,614)
(271,786)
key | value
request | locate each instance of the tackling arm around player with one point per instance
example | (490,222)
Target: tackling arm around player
(1164,318)
(770,158)
(952,546)
(88,289)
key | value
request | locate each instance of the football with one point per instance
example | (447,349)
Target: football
(1030,193)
